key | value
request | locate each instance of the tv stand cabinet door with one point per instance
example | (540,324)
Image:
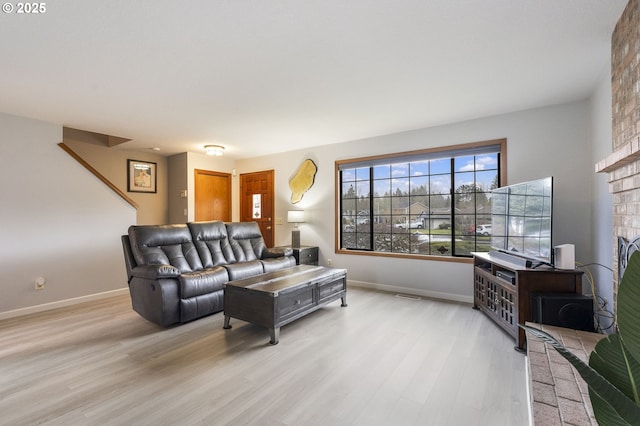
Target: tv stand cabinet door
(509,304)
(498,299)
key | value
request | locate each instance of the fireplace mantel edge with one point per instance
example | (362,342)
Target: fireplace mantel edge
(627,153)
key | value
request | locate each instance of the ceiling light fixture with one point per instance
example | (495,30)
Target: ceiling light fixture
(216,150)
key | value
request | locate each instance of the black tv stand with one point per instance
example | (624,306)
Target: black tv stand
(502,289)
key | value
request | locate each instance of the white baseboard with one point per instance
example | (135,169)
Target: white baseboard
(381,287)
(412,291)
(61,303)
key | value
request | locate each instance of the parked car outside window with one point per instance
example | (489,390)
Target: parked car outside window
(415,224)
(483,230)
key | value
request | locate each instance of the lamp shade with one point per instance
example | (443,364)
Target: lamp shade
(295,216)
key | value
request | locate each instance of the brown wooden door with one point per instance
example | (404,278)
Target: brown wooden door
(257,202)
(213,195)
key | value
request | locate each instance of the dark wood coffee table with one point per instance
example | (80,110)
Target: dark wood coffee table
(277,298)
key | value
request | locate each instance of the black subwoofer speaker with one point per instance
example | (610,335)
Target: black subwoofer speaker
(567,310)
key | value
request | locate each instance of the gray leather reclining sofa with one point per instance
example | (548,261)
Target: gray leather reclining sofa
(176,273)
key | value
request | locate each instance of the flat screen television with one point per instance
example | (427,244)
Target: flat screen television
(521,218)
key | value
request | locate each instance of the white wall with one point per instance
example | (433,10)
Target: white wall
(178,204)
(540,142)
(600,134)
(58,221)
(112,164)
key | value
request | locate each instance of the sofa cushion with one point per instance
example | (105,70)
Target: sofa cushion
(246,240)
(210,239)
(277,252)
(240,270)
(164,245)
(276,263)
(202,282)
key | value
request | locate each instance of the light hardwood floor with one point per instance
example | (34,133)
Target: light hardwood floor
(383,360)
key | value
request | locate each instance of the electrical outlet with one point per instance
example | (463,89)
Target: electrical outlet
(39,283)
(329,262)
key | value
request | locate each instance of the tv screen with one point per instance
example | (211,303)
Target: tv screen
(521,217)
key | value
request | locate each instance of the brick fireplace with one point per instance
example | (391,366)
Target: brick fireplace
(623,164)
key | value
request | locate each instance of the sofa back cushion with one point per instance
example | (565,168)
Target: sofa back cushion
(164,245)
(246,240)
(210,239)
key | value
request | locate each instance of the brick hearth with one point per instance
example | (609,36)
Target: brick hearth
(559,396)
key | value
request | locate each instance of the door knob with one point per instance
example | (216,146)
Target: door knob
(268,228)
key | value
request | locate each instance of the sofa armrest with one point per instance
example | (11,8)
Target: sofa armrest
(154,272)
(277,252)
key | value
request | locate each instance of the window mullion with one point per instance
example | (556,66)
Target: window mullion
(371,209)
(452,192)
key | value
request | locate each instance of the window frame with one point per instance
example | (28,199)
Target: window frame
(452,150)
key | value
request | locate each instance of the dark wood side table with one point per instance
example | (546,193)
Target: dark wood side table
(305,255)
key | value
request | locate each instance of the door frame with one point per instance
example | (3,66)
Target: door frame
(273,201)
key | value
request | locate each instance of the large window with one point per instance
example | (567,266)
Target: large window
(432,202)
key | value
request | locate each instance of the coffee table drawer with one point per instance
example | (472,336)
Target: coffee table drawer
(332,289)
(292,302)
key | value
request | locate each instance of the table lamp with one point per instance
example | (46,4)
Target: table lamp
(295,217)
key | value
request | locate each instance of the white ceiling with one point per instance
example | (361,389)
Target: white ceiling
(266,76)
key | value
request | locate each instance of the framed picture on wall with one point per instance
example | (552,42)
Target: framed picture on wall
(142,176)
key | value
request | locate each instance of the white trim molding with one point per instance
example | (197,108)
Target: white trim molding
(412,291)
(61,304)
